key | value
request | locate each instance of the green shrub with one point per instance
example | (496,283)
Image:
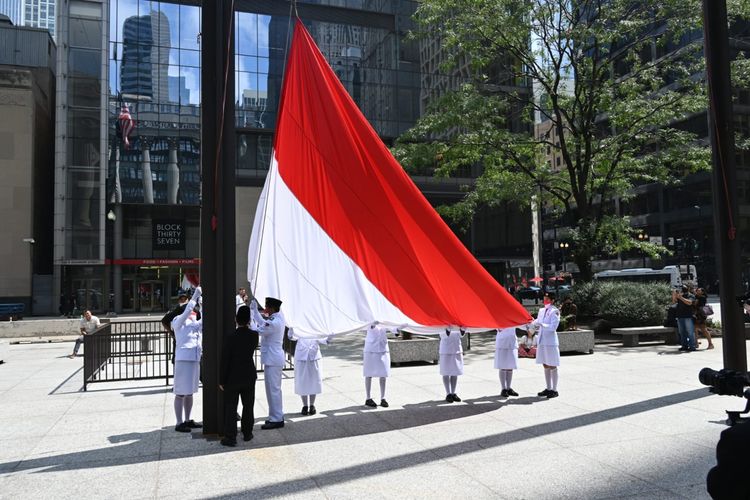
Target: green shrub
(623,303)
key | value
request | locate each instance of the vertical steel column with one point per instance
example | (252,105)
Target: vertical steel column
(726,216)
(217,211)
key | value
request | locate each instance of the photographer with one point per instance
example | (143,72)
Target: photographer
(685,321)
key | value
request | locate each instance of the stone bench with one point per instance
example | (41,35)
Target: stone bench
(576,341)
(418,348)
(630,336)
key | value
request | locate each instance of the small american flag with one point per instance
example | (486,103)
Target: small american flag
(127,124)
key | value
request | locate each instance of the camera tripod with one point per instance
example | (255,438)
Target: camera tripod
(733,417)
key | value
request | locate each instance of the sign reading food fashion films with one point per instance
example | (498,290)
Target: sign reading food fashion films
(169,235)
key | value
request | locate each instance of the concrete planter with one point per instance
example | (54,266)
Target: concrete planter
(418,348)
(576,341)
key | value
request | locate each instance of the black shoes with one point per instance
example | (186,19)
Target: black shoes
(228,442)
(504,393)
(545,392)
(183,427)
(313,411)
(384,403)
(305,410)
(552,394)
(192,424)
(272,425)
(449,398)
(682,349)
(247,437)
(371,403)
(511,392)
(456,398)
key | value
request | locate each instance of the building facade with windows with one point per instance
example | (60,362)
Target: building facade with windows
(128,145)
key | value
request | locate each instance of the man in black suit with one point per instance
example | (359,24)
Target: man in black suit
(237,376)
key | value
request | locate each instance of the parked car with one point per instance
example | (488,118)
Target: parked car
(530,292)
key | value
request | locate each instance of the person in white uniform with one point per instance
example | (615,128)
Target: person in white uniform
(271,332)
(376,361)
(451,361)
(548,344)
(241,299)
(188,332)
(506,359)
(308,378)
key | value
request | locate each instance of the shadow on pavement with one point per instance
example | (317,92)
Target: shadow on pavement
(342,423)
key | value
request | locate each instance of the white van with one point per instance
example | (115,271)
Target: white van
(674,276)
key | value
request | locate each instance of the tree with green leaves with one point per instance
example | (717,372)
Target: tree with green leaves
(614,79)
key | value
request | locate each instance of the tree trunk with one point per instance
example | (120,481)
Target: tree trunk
(582,259)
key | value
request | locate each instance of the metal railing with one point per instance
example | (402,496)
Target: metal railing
(130,350)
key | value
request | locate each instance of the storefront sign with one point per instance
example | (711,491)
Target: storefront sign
(168,235)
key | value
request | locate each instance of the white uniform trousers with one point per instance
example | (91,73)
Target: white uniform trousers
(272,380)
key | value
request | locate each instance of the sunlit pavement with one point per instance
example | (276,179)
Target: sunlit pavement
(629,422)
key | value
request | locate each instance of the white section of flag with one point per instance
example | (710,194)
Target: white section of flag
(291,258)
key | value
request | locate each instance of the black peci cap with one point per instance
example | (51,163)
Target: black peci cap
(275,303)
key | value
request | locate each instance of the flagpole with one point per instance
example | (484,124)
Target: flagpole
(218,252)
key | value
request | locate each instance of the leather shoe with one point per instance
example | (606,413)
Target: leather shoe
(228,442)
(545,392)
(371,403)
(552,394)
(449,398)
(384,403)
(305,410)
(511,392)
(247,437)
(313,411)
(456,398)
(182,427)
(272,425)
(193,425)
(504,393)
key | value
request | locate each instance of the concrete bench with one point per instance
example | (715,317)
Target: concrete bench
(630,336)
(418,348)
(576,341)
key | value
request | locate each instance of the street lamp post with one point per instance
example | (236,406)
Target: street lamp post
(643,237)
(563,247)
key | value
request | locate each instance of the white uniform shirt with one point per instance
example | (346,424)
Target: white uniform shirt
(506,338)
(271,333)
(238,302)
(450,344)
(91,325)
(308,349)
(188,333)
(376,339)
(547,320)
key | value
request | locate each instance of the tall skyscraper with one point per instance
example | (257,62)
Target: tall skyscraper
(39,14)
(145,56)
(12,9)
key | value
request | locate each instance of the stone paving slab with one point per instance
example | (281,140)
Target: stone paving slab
(629,423)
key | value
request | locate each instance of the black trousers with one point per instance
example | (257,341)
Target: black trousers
(232,395)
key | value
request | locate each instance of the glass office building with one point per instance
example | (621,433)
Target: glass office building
(129,138)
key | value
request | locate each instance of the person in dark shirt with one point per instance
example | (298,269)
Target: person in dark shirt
(237,376)
(685,321)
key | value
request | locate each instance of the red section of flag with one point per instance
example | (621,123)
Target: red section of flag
(340,171)
(127,124)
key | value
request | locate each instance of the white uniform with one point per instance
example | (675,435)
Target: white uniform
(271,333)
(238,302)
(451,354)
(188,333)
(548,345)
(377,356)
(506,349)
(308,378)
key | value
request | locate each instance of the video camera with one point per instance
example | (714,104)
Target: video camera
(728,383)
(725,382)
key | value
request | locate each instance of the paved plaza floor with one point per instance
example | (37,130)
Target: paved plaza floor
(629,423)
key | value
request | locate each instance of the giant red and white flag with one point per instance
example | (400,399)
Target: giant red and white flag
(341,233)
